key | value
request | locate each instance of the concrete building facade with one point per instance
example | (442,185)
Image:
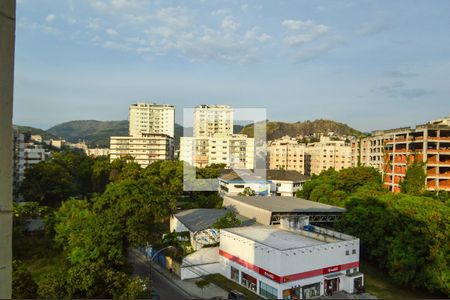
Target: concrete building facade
(369,151)
(287,154)
(151,118)
(327,154)
(145,149)
(210,120)
(235,151)
(7,46)
(428,144)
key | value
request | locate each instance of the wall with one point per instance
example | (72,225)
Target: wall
(7,32)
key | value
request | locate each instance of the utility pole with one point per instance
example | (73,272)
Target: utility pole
(7,38)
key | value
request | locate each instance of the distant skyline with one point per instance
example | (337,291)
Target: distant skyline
(370,64)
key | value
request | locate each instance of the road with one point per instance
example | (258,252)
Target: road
(163,287)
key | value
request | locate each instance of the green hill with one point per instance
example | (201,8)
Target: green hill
(28,130)
(94,133)
(277,130)
(98,133)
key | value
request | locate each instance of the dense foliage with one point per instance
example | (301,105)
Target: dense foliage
(94,211)
(406,235)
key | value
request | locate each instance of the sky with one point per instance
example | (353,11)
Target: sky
(370,64)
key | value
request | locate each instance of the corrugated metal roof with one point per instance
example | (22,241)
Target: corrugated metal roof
(285,204)
(231,175)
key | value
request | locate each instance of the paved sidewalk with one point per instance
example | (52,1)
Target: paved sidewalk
(188,286)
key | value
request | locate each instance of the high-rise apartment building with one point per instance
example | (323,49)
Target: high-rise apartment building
(429,144)
(235,151)
(327,154)
(213,119)
(287,154)
(144,148)
(214,142)
(151,118)
(151,136)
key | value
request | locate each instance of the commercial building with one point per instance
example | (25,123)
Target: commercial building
(210,120)
(235,151)
(151,118)
(18,158)
(327,154)
(428,144)
(145,149)
(269,210)
(287,154)
(292,261)
(275,182)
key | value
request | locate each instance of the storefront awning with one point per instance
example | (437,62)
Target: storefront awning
(355,274)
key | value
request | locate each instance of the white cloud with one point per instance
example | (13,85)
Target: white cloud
(229,23)
(264,37)
(244,7)
(176,17)
(297,24)
(93,24)
(306,40)
(50,18)
(220,12)
(111,32)
(372,29)
(71,20)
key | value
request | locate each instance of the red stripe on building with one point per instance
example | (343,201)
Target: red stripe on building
(293,277)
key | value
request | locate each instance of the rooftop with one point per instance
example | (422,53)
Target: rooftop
(286,204)
(202,218)
(274,237)
(282,175)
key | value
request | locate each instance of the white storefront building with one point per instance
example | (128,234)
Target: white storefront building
(291,261)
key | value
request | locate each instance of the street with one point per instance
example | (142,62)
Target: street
(163,287)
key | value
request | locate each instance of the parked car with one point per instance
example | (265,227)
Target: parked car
(236,295)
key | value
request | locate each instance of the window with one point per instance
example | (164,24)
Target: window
(249,281)
(347,252)
(354,251)
(267,291)
(234,274)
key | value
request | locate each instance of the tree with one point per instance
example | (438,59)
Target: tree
(23,285)
(227,221)
(247,192)
(48,183)
(201,284)
(414,182)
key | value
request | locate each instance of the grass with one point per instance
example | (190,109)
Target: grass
(380,285)
(229,285)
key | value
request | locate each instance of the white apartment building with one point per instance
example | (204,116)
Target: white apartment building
(33,154)
(327,154)
(287,154)
(95,152)
(275,183)
(292,261)
(151,118)
(210,120)
(145,149)
(235,151)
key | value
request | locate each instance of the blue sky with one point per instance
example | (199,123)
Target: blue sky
(370,64)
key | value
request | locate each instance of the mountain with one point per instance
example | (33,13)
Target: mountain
(277,130)
(28,130)
(98,133)
(94,133)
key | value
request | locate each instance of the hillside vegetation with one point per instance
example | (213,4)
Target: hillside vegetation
(94,133)
(28,130)
(277,130)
